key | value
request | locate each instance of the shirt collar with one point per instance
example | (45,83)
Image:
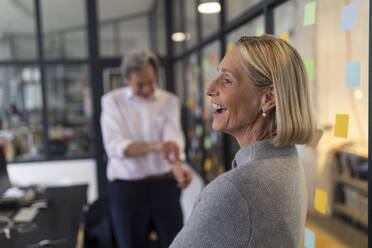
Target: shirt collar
(132,96)
(260,150)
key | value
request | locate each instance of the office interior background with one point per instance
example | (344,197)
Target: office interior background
(57,58)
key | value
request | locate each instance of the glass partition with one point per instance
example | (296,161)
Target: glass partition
(21,113)
(17,30)
(332,38)
(64,29)
(70,111)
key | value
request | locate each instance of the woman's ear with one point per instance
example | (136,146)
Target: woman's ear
(268,99)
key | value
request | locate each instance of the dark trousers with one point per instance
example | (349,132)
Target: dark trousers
(136,206)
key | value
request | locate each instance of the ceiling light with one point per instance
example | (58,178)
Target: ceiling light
(209,7)
(180,36)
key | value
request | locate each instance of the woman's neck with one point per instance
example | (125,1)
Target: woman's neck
(252,134)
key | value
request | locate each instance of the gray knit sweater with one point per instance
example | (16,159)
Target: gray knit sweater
(261,202)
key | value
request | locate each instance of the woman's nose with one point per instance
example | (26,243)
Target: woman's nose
(211,90)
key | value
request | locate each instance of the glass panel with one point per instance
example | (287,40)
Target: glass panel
(160,28)
(178,25)
(134,34)
(190,9)
(64,29)
(210,24)
(54,47)
(17,30)
(106,41)
(179,75)
(193,114)
(235,8)
(212,143)
(184,20)
(336,162)
(69,111)
(254,27)
(20,113)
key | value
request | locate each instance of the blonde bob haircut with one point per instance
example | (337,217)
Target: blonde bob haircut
(269,60)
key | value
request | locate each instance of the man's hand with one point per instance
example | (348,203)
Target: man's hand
(182,175)
(170,151)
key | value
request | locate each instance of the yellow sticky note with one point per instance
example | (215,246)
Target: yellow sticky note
(229,46)
(342,126)
(309,15)
(208,164)
(320,202)
(285,36)
(260,31)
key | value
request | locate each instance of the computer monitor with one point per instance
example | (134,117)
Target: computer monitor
(4,178)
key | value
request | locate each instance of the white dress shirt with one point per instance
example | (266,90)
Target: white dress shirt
(127,119)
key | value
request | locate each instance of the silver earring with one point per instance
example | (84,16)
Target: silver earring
(264,113)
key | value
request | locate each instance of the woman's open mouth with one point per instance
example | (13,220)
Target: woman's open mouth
(219,110)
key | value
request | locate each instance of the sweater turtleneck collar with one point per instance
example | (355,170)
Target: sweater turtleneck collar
(260,150)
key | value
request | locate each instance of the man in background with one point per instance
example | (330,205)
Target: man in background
(144,142)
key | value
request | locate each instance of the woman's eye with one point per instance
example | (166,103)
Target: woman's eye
(226,81)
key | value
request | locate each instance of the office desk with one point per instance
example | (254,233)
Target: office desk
(60,220)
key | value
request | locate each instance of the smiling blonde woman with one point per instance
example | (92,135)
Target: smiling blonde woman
(261,96)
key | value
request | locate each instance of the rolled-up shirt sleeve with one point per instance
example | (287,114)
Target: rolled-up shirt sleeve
(115,135)
(172,129)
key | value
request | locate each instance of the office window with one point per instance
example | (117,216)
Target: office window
(190,23)
(134,34)
(235,8)
(161,37)
(254,27)
(210,24)
(123,28)
(17,30)
(179,77)
(193,113)
(108,45)
(21,113)
(64,29)
(70,111)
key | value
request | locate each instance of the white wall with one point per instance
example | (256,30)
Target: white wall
(56,173)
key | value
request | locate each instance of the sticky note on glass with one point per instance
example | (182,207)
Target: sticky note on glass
(320,202)
(349,14)
(213,58)
(229,46)
(208,164)
(260,31)
(309,15)
(205,114)
(214,137)
(198,130)
(198,112)
(205,64)
(194,87)
(285,36)
(353,74)
(195,144)
(309,238)
(342,126)
(309,64)
(190,133)
(207,143)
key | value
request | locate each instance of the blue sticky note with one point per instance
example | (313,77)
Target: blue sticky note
(309,238)
(353,74)
(348,16)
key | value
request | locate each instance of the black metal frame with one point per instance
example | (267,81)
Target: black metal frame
(369,124)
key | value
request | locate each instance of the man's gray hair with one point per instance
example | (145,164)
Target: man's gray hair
(137,60)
